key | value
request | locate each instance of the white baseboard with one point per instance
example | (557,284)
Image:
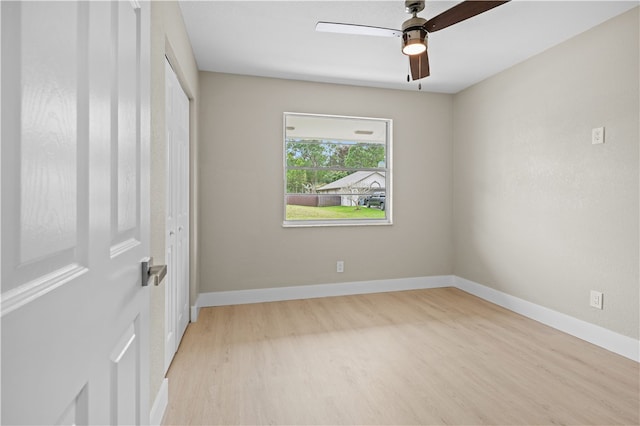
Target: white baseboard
(599,336)
(607,339)
(160,404)
(195,309)
(223,298)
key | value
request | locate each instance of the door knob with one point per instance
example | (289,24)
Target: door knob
(153,273)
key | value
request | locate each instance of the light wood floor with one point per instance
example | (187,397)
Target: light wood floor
(436,356)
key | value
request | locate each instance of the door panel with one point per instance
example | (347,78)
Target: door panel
(124,373)
(74,203)
(170,301)
(77,412)
(171,225)
(44,246)
(125,121)
(182,296)
(49,107)
(182,289)
(182,213)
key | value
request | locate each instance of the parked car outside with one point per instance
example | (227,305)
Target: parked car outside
(376,199)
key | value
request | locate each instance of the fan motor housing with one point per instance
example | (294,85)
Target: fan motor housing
(414,23)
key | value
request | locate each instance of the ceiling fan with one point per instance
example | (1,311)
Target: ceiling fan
(415,30)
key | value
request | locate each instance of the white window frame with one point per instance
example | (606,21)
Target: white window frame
(388,166)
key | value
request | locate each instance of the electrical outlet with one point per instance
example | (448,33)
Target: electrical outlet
(597,135)
(596,299)
(340,266)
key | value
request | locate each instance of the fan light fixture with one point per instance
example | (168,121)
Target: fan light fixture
(414,36)
(413,46)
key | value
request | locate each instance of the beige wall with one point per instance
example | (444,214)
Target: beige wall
(539,212)
(243,244)
(168,37)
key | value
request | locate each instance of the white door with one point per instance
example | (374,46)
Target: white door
(177,238)
(75,208)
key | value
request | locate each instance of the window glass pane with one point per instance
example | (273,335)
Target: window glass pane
(336,170)
(334,154)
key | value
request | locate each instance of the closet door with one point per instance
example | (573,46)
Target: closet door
(177,238)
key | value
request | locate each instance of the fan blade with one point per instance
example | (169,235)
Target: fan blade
(460,12)
(419,66)
(335,27)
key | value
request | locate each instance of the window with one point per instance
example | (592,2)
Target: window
(337,170)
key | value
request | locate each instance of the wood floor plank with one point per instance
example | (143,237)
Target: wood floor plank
(438,356)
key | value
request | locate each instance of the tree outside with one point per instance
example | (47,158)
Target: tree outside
(307,158)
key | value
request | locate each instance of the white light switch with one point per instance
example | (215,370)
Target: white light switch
(597,135)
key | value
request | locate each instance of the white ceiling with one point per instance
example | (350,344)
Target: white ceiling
(278,39)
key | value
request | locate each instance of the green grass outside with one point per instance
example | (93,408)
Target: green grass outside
(333,212)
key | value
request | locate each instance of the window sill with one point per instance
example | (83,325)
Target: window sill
(327,223)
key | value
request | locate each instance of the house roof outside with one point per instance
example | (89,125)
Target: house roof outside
(361,179)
